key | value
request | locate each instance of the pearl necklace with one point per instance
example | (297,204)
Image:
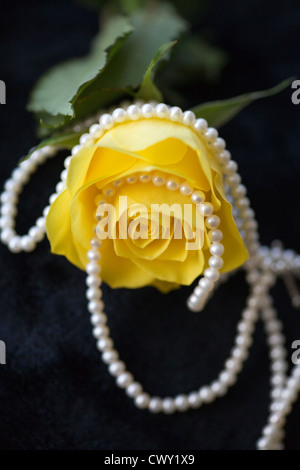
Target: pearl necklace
(261,269)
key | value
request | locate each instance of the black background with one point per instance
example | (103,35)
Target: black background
(54,391)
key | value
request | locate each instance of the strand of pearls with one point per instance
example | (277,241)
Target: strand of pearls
(125,380)
(200,294)
(276,261)
(9,200)
(262,268)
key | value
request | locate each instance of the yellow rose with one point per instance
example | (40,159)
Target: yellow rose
(145,145)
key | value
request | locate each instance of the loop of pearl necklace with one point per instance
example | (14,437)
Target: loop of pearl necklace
(197,300)
(125,379)
(262,268)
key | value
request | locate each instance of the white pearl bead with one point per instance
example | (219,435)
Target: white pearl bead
(216,262)
(94,254)
(106,121)
(279,366)
(8,209)
(64,175)
(124,379)
(216,249)
(176,114)
(52,198)
(206,394)
(194,400)
(119,115)
(268,430)
(95,306)
(37,156)
(14,244)
(212,222)
(239,191)
(85,139)
(11,186)
(181,403)
(118,183)
(250,315)
(211,134)
(251,225)
(76,149)
(172,185)
(93,293)
(108,192)
(244,327)
(8,196)
(277,419)
(200,293)
(6,222)
(194,303)
(206,284)
(46,211)
(262,443)
(168,406)
(93,281)
(116,368)
(243,203)
(186,189)
(134,389)
(131,179)
(147,110)
(205,209)
(211,274)
(227,377)
(200,125)
(59,188)
(243,340)
(158,181)
(189,118)
(248,213)
(239,353)
(145,178)
(142,401)
(219,388)
(276,339)
(19,175)
(215,235)
(36,233)
(197,197)
(100,331)
(27,243)
(7,234)
(93,268)
(155,405)
(219,144)
(230,168)
(28,166)
(277,352)
(233,180)
(133,112)
(96,131)
(162,111)
(98,319)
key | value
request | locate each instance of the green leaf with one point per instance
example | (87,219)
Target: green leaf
(156,25)
(218,113)
(56,93)
(148,89)
(113,70)
(66,140)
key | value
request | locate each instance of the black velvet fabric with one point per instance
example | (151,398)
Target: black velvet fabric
(55,393)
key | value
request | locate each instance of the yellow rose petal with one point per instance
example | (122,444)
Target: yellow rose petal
(58,226)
